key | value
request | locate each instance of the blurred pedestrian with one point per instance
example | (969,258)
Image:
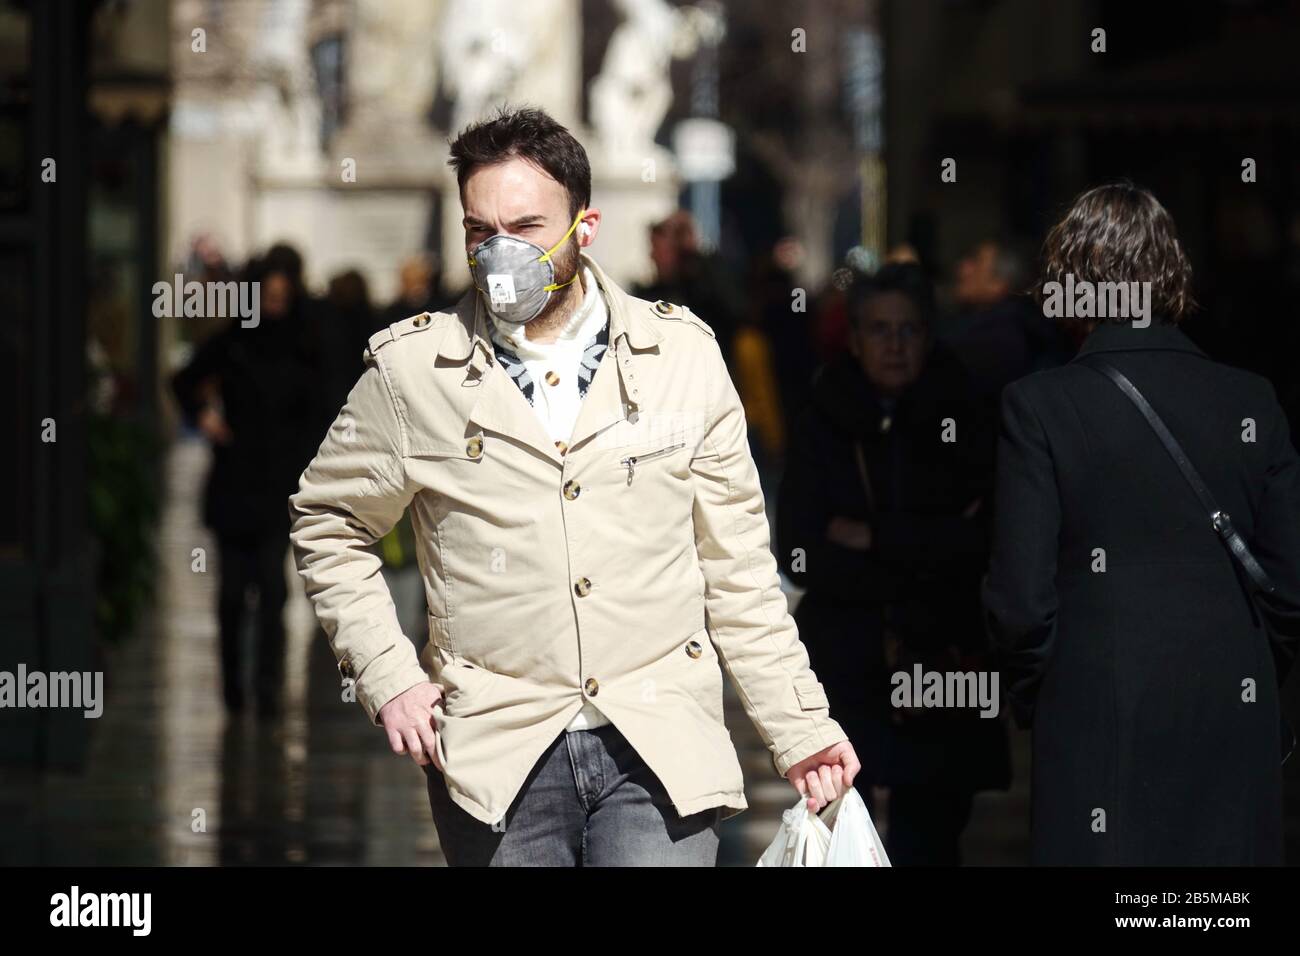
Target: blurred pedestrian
(252,391)
(884,522)
(998,332)
(419,290)
(755,378)
(205,262)
(346,325)
(686,274)
(783,312)
(1130,641)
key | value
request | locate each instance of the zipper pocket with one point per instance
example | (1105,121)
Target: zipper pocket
(632,461)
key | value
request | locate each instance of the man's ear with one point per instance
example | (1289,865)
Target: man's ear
(588,227)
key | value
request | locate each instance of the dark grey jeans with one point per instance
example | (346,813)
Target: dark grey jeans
(588,801)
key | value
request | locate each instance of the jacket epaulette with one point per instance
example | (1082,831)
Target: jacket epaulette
(407,326)
(671,310)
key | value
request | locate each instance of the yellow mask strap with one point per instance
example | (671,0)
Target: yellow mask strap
(553,286)
(563,239)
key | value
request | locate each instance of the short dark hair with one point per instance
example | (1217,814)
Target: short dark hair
(531,134)
(906,278)
(1120,233)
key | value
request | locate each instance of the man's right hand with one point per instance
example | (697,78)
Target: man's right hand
(408,720)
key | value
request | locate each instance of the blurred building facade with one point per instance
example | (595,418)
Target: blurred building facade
(84,92)
(1036,102)
(325,122)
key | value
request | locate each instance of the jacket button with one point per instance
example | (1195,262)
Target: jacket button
(552,379)
(474,448)
(562,447)
(693,649)
(664,308)
(582,586)
(422,321)
(572,489)
(591,686)
(346,669)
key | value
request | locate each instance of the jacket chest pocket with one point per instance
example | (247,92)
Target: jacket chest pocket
(630,462)
(478,472)
(438,467)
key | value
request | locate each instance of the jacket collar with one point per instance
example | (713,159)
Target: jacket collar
(633,340)
(501,407)
(1126,337)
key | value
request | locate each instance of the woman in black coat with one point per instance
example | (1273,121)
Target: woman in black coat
(1131,646)
(882,518)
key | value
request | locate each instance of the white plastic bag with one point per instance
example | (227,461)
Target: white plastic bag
(854,840)
(843,836)
(801,840)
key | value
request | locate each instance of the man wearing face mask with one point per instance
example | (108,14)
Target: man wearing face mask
(592,537)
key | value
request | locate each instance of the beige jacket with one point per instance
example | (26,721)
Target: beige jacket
(632,567)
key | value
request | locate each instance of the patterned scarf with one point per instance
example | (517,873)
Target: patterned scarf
(591,356)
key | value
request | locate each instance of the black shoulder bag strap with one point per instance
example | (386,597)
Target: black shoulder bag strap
(1220,520)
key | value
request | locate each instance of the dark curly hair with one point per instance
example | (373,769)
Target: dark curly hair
(530,134)
(1121,233)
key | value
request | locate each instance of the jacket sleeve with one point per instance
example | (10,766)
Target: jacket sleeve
(749,621)
(1276,541)
(352,494)
(1019,591)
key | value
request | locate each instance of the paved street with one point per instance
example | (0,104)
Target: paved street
(171,781)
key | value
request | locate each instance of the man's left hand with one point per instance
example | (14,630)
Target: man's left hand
(825,775)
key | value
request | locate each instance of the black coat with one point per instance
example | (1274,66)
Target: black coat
(1132,677)
(271,383)
(920,577)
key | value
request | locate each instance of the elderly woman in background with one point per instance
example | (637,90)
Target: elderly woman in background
(882,518)
(1133,647)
